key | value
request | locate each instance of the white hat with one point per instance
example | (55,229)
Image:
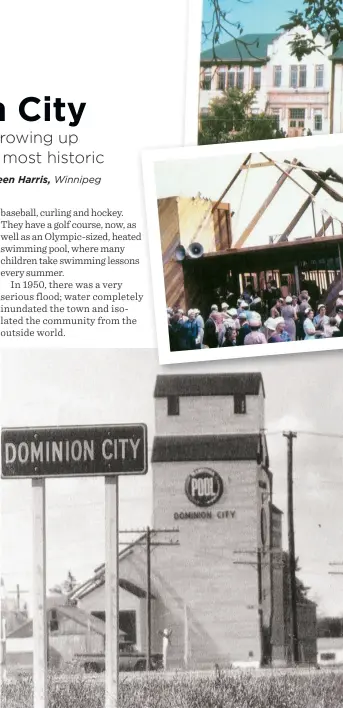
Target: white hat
(270,324)
(289,298)
(244,304)
(224,306)
(256,300)
(214,307)
(308,309)
(191,312)
(239,300)
(232,311)
(242,316)
(321,305)
(255,320)
(278,320)
(340,293)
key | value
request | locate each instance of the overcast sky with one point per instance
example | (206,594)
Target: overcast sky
(79,387)
(209,176)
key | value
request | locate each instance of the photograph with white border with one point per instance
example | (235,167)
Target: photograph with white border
(215,500)
(252,229)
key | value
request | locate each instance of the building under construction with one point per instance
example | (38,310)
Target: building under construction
(202,265)
(209,577)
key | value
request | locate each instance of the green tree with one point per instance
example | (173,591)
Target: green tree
(230,120)
(323,17)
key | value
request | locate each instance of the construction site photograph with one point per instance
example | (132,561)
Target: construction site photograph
(251,248)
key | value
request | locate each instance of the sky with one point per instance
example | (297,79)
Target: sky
(80,387)
(209,176)
(255,16)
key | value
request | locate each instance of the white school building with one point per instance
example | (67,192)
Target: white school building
(303,96)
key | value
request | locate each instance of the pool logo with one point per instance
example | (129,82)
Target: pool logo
(204,487)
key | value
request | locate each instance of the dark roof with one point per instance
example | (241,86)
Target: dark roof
(171,448)
(276,510)
(250,48)
(338,54)
(207,385)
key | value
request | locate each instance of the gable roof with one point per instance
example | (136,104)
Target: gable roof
(251,48)
(208,385)
(199,448)
(71,612)
(98,578)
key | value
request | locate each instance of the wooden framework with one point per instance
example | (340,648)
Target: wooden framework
(319,178)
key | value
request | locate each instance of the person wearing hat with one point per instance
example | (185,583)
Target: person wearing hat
(280,334)
(309,328)
(269,328)
(243,307)
(244,329)
(288,314)
(255,336)
(321,317)
(234,317)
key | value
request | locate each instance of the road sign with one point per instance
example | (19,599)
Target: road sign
(108,451)
(74,451)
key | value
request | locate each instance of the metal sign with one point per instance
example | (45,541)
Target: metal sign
(204,487)
(74,451)
(108,451)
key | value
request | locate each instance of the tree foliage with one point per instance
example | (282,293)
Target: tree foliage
(66,586)
(322,17)
(230,120)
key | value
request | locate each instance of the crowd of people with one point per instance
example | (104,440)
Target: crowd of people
(255,321)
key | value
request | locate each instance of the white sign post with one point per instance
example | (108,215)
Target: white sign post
(83,451)
(112,591)
(40,644)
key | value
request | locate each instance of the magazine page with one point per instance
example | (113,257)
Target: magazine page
(171,526)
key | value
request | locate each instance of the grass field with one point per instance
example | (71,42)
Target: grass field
(270,689)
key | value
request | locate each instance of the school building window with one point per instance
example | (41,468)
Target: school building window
(207,79)
(256,79)
(276,118)
(298,75)
(221,84)
(173,405)
(236,79)
(319,75)
(240,405)
(318,121)
(240,80)
(277,76)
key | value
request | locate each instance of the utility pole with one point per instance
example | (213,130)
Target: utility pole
(291,549)
(18,592)
(148,598)
(145,540)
